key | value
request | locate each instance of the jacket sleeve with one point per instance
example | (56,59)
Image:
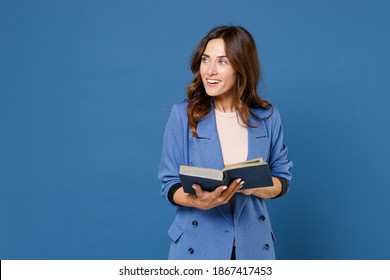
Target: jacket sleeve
(279,162)
(173,151)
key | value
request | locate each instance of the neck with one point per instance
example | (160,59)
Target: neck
(224,105)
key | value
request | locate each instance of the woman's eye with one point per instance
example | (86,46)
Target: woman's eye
(205,59)
(223,62)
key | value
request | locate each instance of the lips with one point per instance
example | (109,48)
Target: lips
(213,81)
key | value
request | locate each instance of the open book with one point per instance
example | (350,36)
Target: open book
(255,173)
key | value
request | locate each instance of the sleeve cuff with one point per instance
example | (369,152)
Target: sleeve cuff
(172,191)
(284,183)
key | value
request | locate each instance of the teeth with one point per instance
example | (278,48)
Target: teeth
(213,81)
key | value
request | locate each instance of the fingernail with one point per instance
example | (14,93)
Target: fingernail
(242,184)
(194,186)
(238,180)
(224,188)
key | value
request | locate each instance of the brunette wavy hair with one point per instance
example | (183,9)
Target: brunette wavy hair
(241,52)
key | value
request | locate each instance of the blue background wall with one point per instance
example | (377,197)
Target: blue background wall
(86,88)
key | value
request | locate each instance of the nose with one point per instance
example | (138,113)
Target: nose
(212,69)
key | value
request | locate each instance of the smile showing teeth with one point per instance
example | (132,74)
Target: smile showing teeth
(213,81)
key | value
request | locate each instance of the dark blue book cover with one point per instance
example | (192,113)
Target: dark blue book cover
(255,174)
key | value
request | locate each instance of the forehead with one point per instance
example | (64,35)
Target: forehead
(215,47)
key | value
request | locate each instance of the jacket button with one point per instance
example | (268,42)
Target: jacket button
(266,246)
(262,218)
(191,251)
(195,223)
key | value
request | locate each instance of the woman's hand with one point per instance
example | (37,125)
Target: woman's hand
(265,192)
(206,200)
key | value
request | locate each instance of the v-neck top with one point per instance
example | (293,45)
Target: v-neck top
(233,137)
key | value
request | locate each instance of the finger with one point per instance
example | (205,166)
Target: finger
(232,189)
(236,185)
(218,191)
(198,189)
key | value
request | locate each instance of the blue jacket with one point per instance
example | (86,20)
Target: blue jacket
(210,234)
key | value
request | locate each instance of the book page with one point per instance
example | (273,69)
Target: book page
(256,161)
(201,172)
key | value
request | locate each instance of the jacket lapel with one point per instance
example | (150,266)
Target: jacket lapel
(256,138)
(208,148)
(207,144)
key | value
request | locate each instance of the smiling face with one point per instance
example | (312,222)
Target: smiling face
(218,75)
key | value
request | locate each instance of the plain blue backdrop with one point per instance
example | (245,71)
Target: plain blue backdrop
(86,88)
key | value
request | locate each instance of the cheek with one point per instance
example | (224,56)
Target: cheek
(232,79)
(229,74)
(201,70)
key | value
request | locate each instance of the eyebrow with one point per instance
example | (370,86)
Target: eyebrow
(220,56)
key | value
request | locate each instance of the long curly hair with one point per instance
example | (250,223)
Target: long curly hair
(241,52)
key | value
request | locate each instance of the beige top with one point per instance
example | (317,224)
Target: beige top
(233,137)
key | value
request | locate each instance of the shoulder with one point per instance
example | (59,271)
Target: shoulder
(268,115)
(262,113)
(180,107)
(179,112)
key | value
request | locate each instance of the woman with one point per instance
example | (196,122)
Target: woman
(223,121)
